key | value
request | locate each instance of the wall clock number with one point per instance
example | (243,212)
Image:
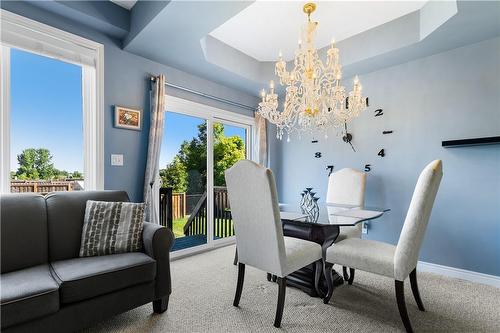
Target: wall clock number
(387,132)
(330,168)
(317,154)
(368,167)
(379,112)
(381,153)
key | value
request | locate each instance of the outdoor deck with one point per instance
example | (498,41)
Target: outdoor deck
(189,241)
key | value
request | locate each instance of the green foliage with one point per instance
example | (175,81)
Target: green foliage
(36,164)
(188,171)
(76,175)
(227,151)
(174,176)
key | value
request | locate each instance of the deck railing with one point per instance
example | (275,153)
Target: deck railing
(166,211)
(196,223)
(223,223)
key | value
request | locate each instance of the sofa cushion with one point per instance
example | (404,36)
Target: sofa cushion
(28,294)
(65,213)
(24,241)
(84,278)
(111,227)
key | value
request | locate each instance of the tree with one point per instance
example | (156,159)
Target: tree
(76,175)
(174,176)
(227,151)
(188,170)
(35,164)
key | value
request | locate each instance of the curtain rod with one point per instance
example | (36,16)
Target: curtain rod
(219,99)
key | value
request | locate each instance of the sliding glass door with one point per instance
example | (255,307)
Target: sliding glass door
(230,146)
(183,171)
(199,144)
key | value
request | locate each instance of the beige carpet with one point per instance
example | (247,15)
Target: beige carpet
(203,289)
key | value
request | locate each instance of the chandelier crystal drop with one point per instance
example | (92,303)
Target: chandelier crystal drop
(315,100)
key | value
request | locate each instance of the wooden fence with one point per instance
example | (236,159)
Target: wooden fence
(43,186)
(178,205)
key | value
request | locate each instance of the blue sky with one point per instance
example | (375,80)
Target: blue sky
(46,109)
(46,112)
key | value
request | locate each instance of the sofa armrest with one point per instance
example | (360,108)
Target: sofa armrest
(158,242)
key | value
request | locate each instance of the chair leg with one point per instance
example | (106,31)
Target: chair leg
(349,278)
(414,289)
(351,275)
(239,286)
(235,261)
(327,270)
(318,267)
(400,298)
(160,305)
(281,301)
(344,273)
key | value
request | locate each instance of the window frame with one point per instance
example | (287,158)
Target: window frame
(25,34)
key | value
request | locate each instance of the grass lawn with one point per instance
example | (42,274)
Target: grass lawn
(178,226)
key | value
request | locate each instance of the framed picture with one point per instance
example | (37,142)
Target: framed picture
(128,118)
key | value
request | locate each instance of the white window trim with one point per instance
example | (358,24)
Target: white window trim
(23,33)
(211,115)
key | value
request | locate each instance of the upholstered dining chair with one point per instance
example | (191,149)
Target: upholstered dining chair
(259,231)
(400,261)
(347,187)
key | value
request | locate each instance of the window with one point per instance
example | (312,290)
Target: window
(51,117)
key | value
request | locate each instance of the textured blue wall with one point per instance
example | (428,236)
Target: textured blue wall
(451,95)
(126,81)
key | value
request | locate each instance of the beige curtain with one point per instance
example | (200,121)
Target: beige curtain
(152,177)
(260,140)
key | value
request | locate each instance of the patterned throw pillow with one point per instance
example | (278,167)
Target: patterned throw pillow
(111,227)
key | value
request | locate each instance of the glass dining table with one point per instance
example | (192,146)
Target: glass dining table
(320,223)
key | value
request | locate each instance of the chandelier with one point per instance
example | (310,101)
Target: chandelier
(315,100)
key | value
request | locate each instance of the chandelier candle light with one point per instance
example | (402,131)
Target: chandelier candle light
(315,100)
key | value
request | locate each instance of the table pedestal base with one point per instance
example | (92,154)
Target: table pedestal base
(303,279)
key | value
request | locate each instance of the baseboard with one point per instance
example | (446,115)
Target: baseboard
(458,273)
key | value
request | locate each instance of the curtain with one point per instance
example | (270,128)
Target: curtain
(152,176)
(260,142)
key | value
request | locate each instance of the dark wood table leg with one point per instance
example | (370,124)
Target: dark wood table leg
(318,271)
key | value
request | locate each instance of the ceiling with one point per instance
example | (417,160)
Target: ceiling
(127,4)
(264,28)
(234,43)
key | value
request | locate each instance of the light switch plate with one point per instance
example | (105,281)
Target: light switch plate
(117,159)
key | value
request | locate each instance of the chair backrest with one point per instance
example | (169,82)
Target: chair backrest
(347,187)
(417,218)
(254,208)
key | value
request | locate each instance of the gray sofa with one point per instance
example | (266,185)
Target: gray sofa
(46,287)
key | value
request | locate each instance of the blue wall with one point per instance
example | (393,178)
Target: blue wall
(451,95)
(127,83)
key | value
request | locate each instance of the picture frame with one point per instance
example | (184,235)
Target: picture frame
(128,118)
